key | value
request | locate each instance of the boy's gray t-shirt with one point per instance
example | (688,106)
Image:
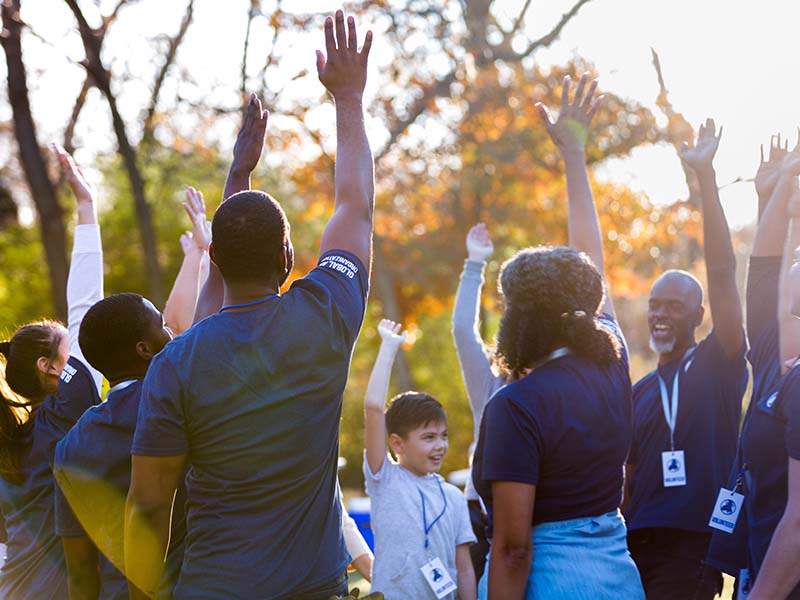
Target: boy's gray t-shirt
(396,516)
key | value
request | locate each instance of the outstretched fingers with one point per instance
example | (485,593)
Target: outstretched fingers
(544,115)
(565,93)
(367,46)
(579,90)
(587,101)
(330,42)
(341,38)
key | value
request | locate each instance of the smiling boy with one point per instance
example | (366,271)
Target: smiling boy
(421,522)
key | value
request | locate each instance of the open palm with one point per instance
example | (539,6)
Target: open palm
(702,155)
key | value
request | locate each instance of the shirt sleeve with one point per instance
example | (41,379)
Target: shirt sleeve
(355,542)
(375,481)
(513,446)
(84,287)
(67,524)
(762,294)
(161,423)
(346,279)
(475,366)
(465,535)
(789,401)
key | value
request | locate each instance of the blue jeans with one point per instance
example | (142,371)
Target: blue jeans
(580,559)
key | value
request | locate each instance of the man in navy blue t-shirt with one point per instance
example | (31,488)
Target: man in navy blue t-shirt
(686,412)
(119,336)
(250,398)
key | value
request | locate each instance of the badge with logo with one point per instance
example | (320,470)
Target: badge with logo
(438,578)
(726,510)
(673,468)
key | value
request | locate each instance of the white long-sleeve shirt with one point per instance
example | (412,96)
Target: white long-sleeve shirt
(84,287)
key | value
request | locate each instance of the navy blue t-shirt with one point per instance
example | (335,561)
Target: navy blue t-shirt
(92,466)
(35,566)
(254,398)
(707,428)
(770,436)
(565,428)
(729,552)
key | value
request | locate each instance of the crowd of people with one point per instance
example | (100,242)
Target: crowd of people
(209,470)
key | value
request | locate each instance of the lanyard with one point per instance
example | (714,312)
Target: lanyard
(248,304)
(557,353)
(425,525)
(670,403)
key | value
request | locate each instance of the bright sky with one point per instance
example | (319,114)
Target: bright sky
(727,59)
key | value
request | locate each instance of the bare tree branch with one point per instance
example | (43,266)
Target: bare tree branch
(520,20)
(92,42)
(169,59)
(251,14)
(547,38)
(80,101)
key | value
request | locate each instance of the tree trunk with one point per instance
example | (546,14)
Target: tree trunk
(384,282)
(92,40)
(51,217)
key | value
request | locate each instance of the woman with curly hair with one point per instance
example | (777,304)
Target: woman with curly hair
(553,442)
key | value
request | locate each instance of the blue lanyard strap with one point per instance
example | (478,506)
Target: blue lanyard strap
(249,304)
(425,525)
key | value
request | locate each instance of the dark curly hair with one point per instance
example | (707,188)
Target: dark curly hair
(552,295)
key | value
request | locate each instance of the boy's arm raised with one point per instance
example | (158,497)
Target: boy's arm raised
(378,387)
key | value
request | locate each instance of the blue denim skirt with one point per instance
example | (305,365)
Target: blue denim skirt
(580,559)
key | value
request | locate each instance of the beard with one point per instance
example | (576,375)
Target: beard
(662,347)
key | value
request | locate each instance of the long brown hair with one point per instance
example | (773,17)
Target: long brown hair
(21,388)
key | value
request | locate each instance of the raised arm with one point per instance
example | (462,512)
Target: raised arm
(182,302)
(788,323)
(764,271)
(570,133)
(723,295)
(475,366)
(377,388)
(768,171)
(246,154)
(85,280)
(344,74)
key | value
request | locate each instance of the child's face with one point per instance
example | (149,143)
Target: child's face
(423,449)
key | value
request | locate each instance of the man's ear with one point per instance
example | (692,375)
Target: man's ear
(699,316)
(143,351)
(211,252)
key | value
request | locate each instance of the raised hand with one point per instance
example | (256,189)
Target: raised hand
(571,130)
(344,72)
(83,191)
(250,140)
(769,170)
(702,155)
(479,244)
(390,333)
(195,207)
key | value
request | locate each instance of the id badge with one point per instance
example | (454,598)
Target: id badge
(726,510)
(438,578)
(673,468)
(743,583)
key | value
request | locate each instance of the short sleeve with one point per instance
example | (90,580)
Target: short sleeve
(513,446)
(608,322)
(67,524)
(465,535)
(375,481)
(161,423)
(789,402)
(346,278)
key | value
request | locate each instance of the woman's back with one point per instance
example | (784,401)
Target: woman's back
(565,428)
(34,566)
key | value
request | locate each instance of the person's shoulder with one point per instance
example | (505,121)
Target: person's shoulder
(644,382)
(75,374)
(452,492)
